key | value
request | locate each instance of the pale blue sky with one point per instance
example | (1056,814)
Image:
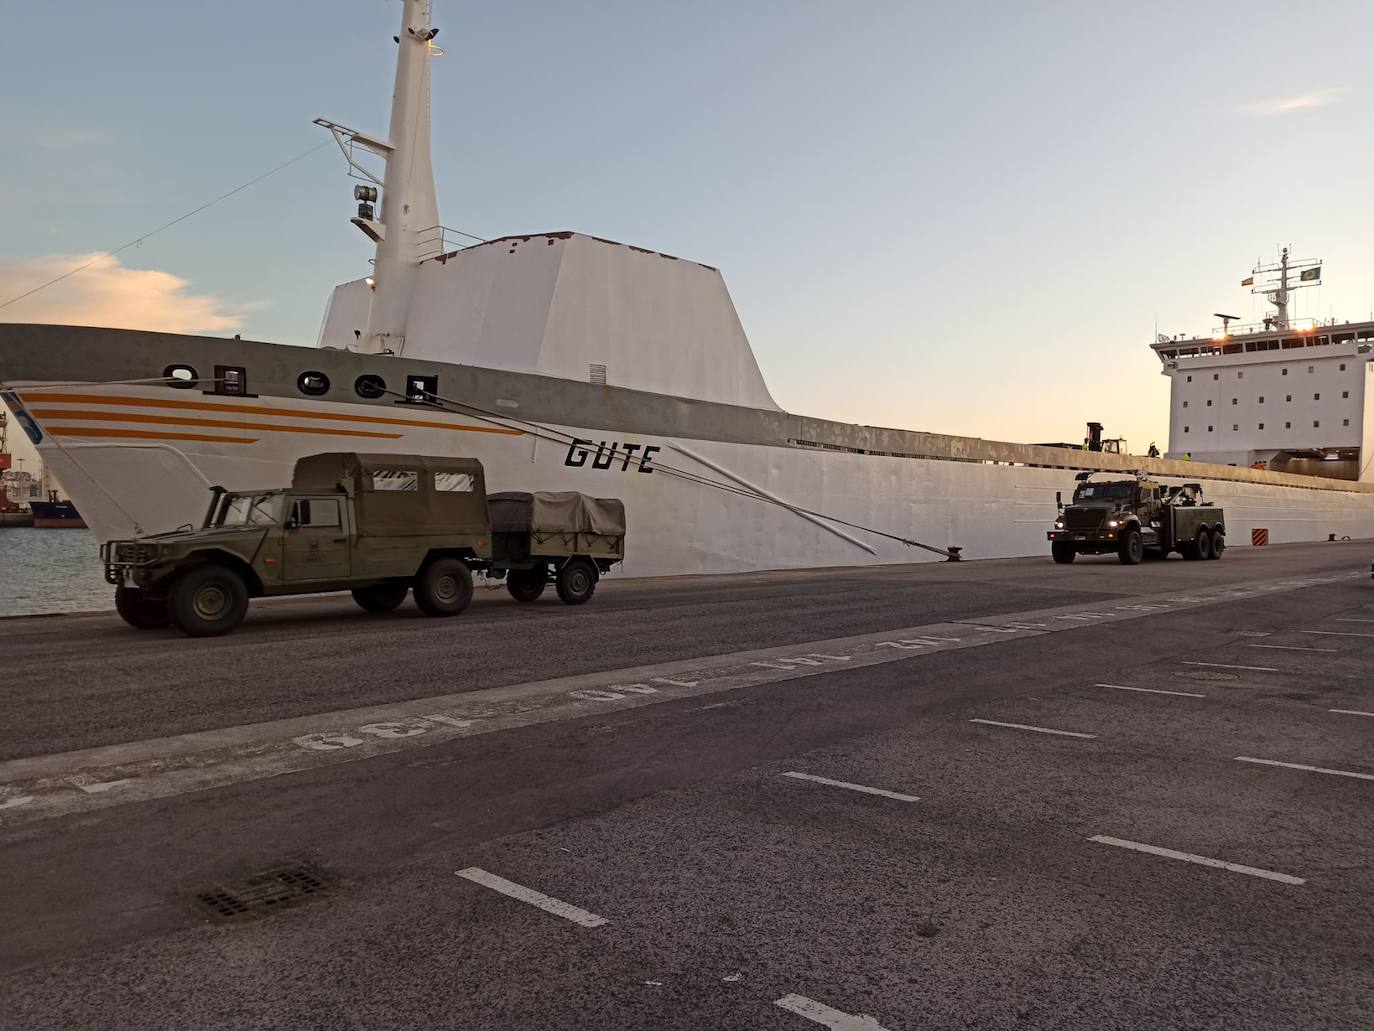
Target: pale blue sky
(954,217)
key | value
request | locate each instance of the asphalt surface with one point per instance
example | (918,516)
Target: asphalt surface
(732,895)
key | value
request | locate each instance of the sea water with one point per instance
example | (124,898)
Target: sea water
(45,571)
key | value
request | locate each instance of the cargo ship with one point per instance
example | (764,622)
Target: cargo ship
(55,514)
(562,361)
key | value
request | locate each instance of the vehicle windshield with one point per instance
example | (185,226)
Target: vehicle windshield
(252,510)
(1105,492)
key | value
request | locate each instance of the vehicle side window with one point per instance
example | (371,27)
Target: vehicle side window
(453,482)
(395,479)
(315,512)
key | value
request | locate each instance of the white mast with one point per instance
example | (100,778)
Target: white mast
(408,230)
(1275,283)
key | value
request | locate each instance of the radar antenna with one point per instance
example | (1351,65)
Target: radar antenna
(1275,281)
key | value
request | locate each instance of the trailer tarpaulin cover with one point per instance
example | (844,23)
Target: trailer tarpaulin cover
(555,512)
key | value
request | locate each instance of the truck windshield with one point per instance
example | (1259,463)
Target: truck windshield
(252,510)
(1104,492)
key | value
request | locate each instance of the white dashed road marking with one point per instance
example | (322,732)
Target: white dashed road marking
(820,1013)
(852,787)
(535,898)
(1351,712)
(1300,766)
(1292,648)
(1038,730)
(1151,690)
(1335,633)
(1188,857)
(1226,665)
(1352,619)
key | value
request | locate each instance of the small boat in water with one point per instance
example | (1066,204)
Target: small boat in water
(55,515)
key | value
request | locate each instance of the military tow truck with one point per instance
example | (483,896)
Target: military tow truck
(1137,519)
(380,526)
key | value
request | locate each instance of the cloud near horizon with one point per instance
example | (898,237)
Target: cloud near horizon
(109,294)
(1287,105)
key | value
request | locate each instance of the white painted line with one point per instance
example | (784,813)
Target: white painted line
(1351,619)
(1225,665)
(535,898)
(1188,857)
(1151,690)
(1038,730)
(1334,633)
(852,787)
(1292,648)
(820,1013)
(15,803)
(1300,766)
(1351,712)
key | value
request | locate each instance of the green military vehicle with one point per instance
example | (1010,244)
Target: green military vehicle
(380,526)
(1137,519)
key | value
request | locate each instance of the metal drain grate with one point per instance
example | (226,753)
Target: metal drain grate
(1203,674)
(261,893)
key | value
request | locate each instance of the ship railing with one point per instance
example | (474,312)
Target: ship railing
(439,240)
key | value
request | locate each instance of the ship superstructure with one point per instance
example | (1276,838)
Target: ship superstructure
(1285,394)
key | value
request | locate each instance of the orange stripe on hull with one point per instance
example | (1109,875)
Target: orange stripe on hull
(212,406)
(99,431)
(186,420)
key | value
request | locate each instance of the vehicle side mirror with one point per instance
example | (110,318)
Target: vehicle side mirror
(1059,500)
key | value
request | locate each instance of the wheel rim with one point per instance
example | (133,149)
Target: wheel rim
(211,601)
(578,582)
(446,589)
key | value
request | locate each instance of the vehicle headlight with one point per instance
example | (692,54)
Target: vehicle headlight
(1112,524)
(1059,524)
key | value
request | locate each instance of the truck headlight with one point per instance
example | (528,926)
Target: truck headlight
(1059,524)
(1111,524)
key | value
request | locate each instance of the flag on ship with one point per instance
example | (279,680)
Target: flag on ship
(1248,281)
(1309,274)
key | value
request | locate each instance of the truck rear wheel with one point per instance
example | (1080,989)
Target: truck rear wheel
(1130,548)
(576,582)
(142,610)
(1218,544)
(382,598)
(208,600)
(1063,552)
(1204,544)
(444,587)
(527,584)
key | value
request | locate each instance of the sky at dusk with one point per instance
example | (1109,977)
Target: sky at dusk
(961,218)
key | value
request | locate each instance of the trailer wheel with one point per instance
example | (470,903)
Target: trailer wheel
(1218,544)
(208,600)
(1063,552)
(444,587)
(142,610)
(1131,549)
(1204,544)
(527,584)
(382,598)
(576,582)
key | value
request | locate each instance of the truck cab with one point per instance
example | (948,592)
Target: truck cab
(1136,518)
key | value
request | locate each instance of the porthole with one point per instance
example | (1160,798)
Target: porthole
(183,377)
(369,386)
(313,383)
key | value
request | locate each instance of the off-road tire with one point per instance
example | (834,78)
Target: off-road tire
(527,584)
(382,597)
(1130,549)
(444,587)
(142,610)
(1218,545)
(1204,544)
(576,582)
(1063,552)
(208,600)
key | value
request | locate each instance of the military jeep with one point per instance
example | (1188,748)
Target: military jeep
(379,526)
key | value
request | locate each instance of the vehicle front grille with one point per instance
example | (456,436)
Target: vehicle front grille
(1084,518)
(134,552)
